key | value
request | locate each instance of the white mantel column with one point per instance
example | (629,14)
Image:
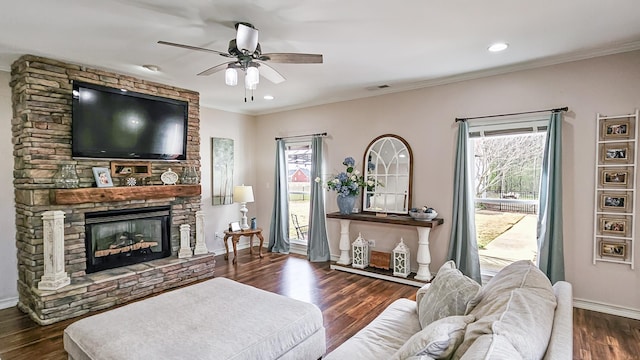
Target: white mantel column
(423,258)
(54,275)
(201,245)
(345,244)
(185,246)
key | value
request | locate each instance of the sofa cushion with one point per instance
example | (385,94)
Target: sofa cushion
(517,304)
(438,340)
(488,347)
(383,336)
(448,295)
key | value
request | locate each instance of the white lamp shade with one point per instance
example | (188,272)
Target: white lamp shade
(231,77)
(242,194)
(252,78)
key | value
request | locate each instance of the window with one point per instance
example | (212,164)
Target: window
(299,181)
(507,158)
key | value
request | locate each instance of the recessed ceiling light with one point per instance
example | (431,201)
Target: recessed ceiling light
(152,68)
(498,47)
(268,97)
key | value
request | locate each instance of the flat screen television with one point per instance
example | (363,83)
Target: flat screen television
(117,124)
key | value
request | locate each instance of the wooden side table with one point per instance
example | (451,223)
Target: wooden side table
(235,237)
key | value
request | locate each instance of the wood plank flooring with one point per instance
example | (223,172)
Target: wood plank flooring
(348,302)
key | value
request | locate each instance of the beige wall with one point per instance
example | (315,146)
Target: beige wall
(425,118)
(240,128)
(8,259)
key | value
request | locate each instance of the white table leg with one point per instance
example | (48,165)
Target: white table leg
(345,245)
(424,255)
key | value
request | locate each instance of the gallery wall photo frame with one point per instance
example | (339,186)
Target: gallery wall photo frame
(617,129)
(617,153)
(616,177)
(102,175)
(614,249)
(614,225)
(615,201)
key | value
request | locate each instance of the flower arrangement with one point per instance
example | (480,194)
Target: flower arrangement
(346,183)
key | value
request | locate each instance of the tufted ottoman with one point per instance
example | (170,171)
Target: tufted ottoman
(215,319)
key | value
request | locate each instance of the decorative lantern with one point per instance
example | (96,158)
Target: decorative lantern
(401,265)
(360,252)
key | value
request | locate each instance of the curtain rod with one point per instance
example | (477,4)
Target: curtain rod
(512,114)
(297,136)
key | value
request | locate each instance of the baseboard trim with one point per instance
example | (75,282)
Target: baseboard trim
(8,302)
(607,308)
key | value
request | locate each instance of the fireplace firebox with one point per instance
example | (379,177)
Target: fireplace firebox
(125,237)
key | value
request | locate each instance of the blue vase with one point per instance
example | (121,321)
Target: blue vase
(346,203)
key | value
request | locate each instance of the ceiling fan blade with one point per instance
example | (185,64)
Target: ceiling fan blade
(292,58)
(216,68)
(246,37)
(189,47)
(270,73)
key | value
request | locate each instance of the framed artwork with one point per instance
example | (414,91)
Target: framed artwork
(613,249)
(234,226)
(615,201)
(615,129)
(613,226)
(615,177)
(222,171)
(612,153)
(102,176)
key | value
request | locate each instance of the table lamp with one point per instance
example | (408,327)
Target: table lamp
(243,194)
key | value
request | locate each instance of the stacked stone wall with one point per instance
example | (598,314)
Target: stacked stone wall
(41,127)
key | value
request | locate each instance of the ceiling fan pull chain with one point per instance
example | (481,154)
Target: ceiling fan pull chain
(245,94)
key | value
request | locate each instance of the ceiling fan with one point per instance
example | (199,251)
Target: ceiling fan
(249,58)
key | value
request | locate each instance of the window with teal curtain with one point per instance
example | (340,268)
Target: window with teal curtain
(318,243)
(279,230)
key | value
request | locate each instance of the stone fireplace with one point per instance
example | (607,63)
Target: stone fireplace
(41,126)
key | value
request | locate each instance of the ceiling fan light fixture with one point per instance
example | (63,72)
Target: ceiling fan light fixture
(252,78)
(231,76)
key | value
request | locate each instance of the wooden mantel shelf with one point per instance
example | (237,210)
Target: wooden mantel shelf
(123,193)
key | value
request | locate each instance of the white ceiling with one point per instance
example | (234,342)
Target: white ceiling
(405,44)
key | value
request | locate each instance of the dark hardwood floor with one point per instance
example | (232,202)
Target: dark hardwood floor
(348,302)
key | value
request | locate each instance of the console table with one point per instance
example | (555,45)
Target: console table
(423,258)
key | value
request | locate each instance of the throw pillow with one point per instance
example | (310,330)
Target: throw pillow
(491,347)
(518,304)
(438,340)
(423,290)
(448,295)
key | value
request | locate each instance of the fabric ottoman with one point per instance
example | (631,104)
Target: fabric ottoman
(215,319)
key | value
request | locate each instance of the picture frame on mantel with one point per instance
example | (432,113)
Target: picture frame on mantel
(102,175)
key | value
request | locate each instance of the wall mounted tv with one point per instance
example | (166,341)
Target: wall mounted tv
(117,124)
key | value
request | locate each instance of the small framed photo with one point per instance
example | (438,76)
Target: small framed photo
(615,201)
(613,249)
(234,226)
(613,226)
(614,129)
(102,176)
(616,153)
(615,177)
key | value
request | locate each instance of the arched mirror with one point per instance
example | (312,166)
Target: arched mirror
(387,167)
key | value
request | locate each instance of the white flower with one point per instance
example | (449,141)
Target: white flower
(356,172)
(354,178)
(336,181)
(318,180)
(370,182)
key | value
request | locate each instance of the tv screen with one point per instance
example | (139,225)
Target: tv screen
(112,123)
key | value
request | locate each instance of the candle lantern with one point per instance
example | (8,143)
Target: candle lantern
(401,264)
(360,252)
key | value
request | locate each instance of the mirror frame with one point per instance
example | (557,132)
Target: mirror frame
(364,171)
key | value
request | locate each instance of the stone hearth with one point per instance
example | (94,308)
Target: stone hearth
(41,126)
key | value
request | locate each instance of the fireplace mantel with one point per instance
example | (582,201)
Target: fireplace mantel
(94,195)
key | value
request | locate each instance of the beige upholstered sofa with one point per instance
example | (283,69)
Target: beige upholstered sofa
(517,315)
